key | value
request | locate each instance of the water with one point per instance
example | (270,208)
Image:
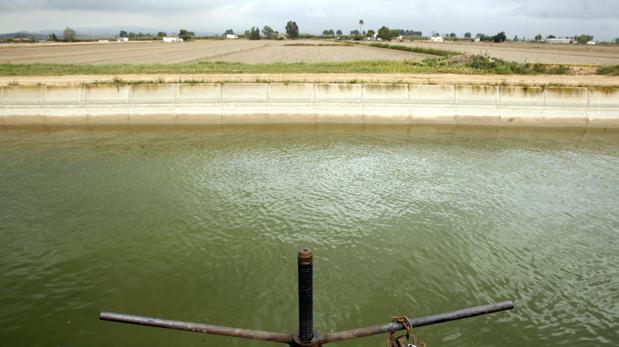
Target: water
(204,226)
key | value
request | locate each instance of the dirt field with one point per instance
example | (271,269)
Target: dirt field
(244,51)
(533,53)
(318,54)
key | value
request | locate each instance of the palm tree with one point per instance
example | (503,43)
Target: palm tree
(361,26)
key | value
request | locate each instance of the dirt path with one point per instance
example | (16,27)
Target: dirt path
(335,78)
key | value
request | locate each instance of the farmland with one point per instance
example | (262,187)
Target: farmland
(304,56)
(531,53)
(233,51)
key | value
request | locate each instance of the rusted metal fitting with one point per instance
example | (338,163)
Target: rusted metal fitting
(314,342)
(306,256)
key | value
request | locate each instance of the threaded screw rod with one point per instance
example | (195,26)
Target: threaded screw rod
(306,314)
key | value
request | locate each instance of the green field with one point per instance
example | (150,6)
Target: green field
(474,65)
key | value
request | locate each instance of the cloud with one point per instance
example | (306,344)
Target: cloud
(517,17)
(108,5)
(576,9)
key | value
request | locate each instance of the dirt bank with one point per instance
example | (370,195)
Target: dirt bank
(542,80)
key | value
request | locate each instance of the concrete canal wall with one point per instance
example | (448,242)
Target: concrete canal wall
(309,103)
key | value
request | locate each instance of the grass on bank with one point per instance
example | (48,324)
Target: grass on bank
(611,70)
(469,65)
(422,50)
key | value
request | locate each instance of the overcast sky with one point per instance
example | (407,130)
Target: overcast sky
(516,17)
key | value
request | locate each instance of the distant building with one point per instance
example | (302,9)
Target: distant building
(231,37)
(559,40)
(436,39)
(592,43)
(172,39)
(123,39)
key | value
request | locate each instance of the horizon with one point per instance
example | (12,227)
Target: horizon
(522,18)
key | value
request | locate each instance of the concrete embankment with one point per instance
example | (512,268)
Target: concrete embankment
(308,103)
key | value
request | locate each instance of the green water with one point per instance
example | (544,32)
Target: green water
(204,226)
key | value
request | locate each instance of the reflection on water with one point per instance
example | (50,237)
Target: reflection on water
(203,225)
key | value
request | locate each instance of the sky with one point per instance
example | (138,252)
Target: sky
(524,18)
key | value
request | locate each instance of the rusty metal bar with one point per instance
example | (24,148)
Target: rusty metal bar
(417,322)
(196,327)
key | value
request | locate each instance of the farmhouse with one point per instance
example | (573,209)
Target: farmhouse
(436,39)
(231,37)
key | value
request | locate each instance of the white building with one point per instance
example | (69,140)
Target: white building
(592,43)
(123,39)
(172,39)
(231,37)
(559,40)
(436,39)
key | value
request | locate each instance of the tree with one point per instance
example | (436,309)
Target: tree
(384,33)
(395,32)
(361,23)
(552,37)
(254,33)
(452,35)
(68,34)
(292,30)
(583,39)
(410,33)
(186,35)
(53,37)
(467,35)
(229,32)
(370,33)
(538,37)
(516,38)
(339,32)
(617,40)
(162,34)
(355,33)
(268,32)
(500,37)
(123,34)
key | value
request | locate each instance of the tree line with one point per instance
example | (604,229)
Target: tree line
(292,32)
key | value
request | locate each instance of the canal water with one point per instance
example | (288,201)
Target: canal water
(203,225)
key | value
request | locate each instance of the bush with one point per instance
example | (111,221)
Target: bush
(422,50)
(502,67)
(612,70)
